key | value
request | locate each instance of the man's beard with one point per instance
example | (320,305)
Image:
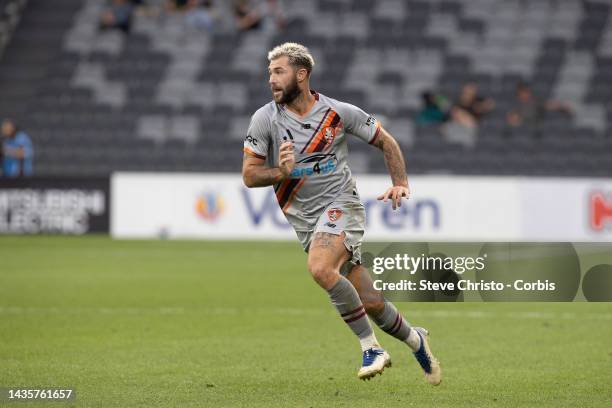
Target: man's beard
(291,93)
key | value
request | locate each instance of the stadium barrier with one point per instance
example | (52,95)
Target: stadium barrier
(442,208)
(73,206)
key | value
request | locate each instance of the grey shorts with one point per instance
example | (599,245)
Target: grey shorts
(339,217)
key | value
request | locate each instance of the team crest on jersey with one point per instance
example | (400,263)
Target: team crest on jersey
(334,214)
(330,133)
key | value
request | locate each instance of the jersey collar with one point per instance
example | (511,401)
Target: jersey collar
(308,115)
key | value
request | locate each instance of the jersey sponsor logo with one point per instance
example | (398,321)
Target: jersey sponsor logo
(370,121)
(210,206)
(251,140)
(334,214)
(330,225)
(315,165)
(600,210)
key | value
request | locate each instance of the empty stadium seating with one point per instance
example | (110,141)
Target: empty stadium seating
(169,98)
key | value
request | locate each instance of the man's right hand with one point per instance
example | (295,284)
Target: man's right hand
(286,159)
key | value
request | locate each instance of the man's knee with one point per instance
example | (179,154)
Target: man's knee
(325,275)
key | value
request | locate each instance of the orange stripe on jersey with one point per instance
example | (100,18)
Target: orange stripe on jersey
(292,195)
(252,153)
(316,131)
(284,191)
(280,190)
(320,138)
(326,143)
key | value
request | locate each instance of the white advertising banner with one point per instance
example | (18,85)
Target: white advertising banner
(454,208)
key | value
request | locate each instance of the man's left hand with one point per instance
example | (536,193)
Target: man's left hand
(395,193)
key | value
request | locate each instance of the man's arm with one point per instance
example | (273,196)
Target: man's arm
(367,128)
(394,159)
(256,174)
(15,152)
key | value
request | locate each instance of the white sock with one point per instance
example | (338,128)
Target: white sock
(413,340)
(369,342)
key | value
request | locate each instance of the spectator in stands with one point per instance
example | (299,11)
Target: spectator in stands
(434,110)
(527,110)
(17,151)
(471,106)
(250,16)
(199,14)
(118,15)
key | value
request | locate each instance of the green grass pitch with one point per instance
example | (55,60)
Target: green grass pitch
(241,324)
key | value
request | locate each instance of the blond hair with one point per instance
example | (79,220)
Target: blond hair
(298,55)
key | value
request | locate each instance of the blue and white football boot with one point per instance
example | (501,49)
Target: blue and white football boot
(429,364)
(375,360)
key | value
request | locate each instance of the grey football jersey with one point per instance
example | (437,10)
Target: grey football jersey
(321,174)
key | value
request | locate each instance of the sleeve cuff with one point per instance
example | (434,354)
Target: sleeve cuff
(375,134)
(252,153)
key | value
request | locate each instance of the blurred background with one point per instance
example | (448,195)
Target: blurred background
(472,88)
(124,121)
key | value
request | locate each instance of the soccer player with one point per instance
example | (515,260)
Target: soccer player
(297,143)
